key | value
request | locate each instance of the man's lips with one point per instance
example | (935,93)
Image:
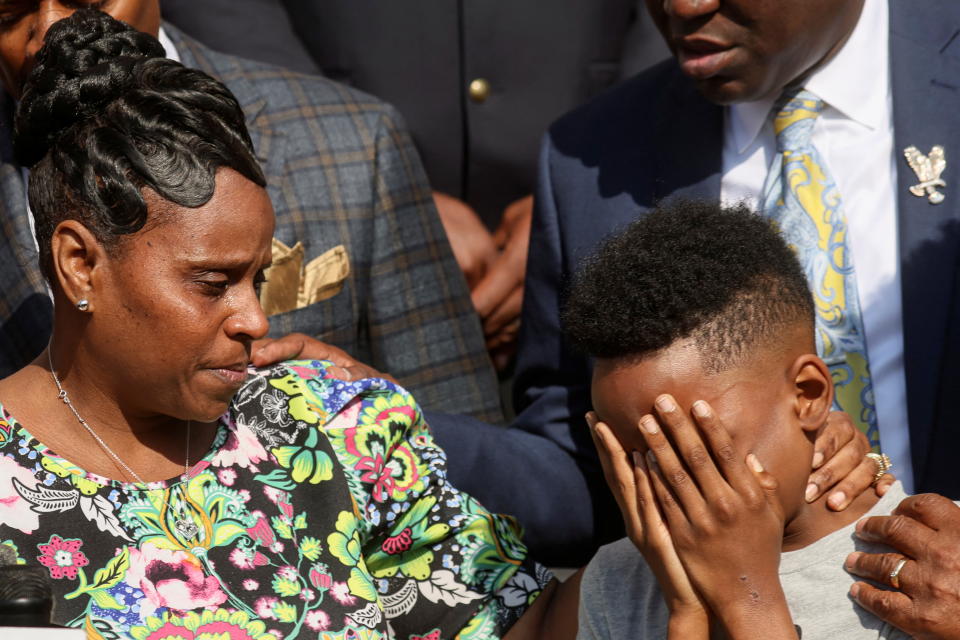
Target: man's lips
(702,58)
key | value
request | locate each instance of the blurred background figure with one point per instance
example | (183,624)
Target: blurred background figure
(477,82)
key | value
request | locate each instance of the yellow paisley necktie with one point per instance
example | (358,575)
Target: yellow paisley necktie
(802,197)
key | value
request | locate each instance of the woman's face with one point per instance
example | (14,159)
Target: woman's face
(175,309)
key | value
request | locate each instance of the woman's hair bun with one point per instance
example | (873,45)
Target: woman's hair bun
(87,61)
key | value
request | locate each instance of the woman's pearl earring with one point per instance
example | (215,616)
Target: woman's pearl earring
(83,304)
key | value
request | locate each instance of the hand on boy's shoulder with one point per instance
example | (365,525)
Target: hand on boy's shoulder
(925,531)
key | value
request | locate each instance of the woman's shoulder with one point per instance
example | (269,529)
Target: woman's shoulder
(303,392)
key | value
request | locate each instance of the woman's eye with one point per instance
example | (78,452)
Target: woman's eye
(214,287)
(259,281)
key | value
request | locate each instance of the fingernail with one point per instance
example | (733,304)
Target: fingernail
(860,525)
(855,589)
(638,460)
(665,404)
(648,424)
(817,460)
(754,463)
(851,560)
(701,409)
(811,492)
(591,421)
(837,499)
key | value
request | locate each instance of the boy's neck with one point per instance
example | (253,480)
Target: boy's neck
(816,520)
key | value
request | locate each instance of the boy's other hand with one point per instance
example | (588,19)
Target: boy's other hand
(626,475)
(723,516)
(840,464)
(925,531)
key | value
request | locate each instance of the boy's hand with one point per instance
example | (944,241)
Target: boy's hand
(626,475)
(724,518)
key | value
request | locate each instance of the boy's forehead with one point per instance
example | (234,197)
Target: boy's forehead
(624,390)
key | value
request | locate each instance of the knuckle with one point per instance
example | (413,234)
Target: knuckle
(724,509)
(824,476)
(666,500)
(708,528)
(678,478)
(883,602)
(894,527)
(754,499)
(698,457)
(925,503)
(725,452)
(829,442)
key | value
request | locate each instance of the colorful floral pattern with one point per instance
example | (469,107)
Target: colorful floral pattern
(321,511)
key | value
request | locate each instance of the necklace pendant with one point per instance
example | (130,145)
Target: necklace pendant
(186,528)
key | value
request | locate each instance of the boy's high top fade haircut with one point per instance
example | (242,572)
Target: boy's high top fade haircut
(722,277)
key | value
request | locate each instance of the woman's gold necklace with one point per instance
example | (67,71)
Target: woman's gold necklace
(184,526)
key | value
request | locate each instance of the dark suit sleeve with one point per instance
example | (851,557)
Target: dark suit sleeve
(552,385)
(421,323)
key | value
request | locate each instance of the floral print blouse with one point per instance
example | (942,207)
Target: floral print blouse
(321,511)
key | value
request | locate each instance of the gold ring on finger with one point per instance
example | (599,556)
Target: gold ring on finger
(895,574)
(883,463)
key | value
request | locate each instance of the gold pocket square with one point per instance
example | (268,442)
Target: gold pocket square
(290,285)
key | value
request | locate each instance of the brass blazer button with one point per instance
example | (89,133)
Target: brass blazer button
(480,90)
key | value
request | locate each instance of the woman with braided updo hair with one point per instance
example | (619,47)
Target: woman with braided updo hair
(170,491)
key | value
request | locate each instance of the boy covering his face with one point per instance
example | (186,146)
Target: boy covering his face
(702,329)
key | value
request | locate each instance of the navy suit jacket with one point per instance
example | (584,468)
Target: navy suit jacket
(656,137)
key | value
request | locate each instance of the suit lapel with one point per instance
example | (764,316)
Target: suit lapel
(926,101)
(690,139)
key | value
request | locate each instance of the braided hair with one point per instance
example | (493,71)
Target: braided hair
(105,115)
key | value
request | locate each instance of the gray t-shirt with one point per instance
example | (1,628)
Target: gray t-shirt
(620,598)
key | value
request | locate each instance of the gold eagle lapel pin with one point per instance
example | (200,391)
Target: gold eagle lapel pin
(928,170)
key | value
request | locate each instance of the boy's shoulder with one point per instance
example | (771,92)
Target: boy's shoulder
(619,596)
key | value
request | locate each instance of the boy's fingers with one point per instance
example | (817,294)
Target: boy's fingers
(731,465)
(693,452)
(650,515)
(666,503)
(671,469)
(764,478)
(618,473)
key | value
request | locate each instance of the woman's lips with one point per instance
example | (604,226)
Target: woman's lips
(233,376)
(702,60)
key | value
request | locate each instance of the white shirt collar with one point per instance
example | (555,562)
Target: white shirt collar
(864,54)
(169,50)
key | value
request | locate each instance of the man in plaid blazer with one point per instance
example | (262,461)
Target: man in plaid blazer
(376,276)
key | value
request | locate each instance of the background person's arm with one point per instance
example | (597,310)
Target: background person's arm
(925,530)
(420,321)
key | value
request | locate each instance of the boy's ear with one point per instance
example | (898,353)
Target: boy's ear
(813,391)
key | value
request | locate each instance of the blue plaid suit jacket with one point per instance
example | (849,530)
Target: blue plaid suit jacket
(341,169)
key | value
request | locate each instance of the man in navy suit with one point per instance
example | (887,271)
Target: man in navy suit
(699,126)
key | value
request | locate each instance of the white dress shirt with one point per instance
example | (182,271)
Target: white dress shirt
(854,134)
